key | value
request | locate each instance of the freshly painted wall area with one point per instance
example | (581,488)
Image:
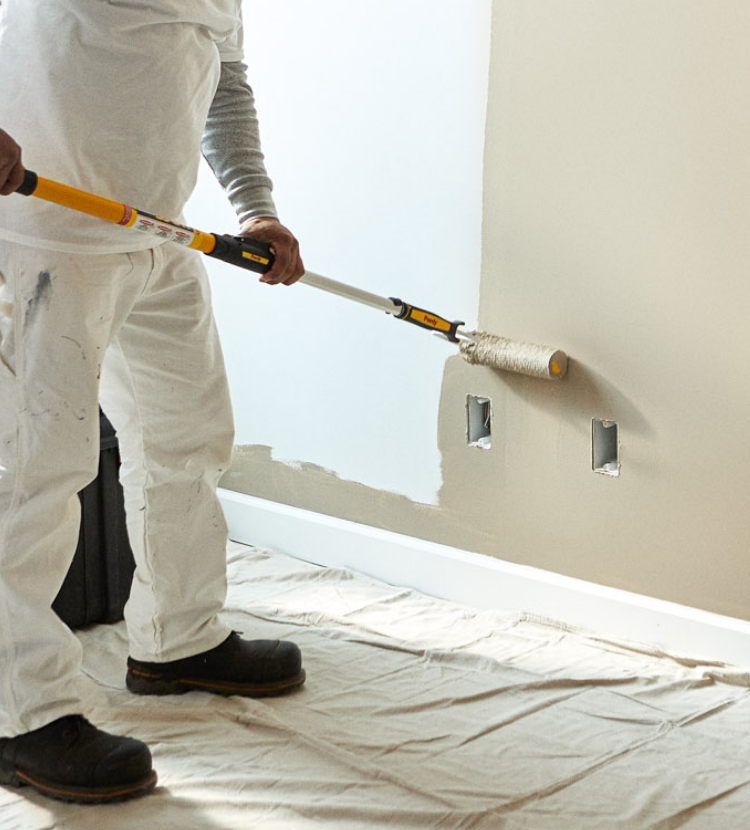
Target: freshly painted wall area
(616,194)
(372,116)
(616,200)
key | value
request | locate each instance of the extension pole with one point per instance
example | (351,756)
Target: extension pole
(477,347)
(252,254)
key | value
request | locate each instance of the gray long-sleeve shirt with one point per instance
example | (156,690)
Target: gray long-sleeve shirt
(231,145)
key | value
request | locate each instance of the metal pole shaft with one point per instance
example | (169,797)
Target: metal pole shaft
(350,292)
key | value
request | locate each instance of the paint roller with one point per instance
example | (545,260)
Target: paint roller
(476,347)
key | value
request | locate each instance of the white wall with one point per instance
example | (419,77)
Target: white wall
(372,117)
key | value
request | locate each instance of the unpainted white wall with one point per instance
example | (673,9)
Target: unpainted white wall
(372,117)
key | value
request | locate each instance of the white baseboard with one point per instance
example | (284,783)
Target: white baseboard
(485,582)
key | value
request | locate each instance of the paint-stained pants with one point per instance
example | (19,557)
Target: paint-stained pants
(136,333)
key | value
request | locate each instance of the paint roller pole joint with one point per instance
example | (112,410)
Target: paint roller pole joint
(428,320)
(252,254)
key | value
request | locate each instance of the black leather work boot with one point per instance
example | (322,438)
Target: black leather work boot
(71,760)
(251,668)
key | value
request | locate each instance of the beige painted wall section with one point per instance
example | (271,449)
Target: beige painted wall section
(616,227)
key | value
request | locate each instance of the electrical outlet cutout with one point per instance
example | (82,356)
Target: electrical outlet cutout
(605,447)
(479,422)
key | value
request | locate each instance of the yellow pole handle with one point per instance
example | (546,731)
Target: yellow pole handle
(116,212)
(81,201)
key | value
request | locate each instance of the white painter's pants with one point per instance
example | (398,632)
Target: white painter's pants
(163,386)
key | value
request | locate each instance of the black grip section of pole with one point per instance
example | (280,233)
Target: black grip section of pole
(428,320)
(252,254)
(30,181)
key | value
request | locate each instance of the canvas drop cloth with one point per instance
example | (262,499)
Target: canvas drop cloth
(419,713)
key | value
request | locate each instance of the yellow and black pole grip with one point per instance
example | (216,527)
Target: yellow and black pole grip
(427,320)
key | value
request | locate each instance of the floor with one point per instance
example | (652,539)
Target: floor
(419,713)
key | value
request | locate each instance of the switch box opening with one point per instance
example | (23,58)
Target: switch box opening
(479,421)
(605,447)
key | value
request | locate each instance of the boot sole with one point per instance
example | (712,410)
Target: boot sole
(10,776)
(146,683)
